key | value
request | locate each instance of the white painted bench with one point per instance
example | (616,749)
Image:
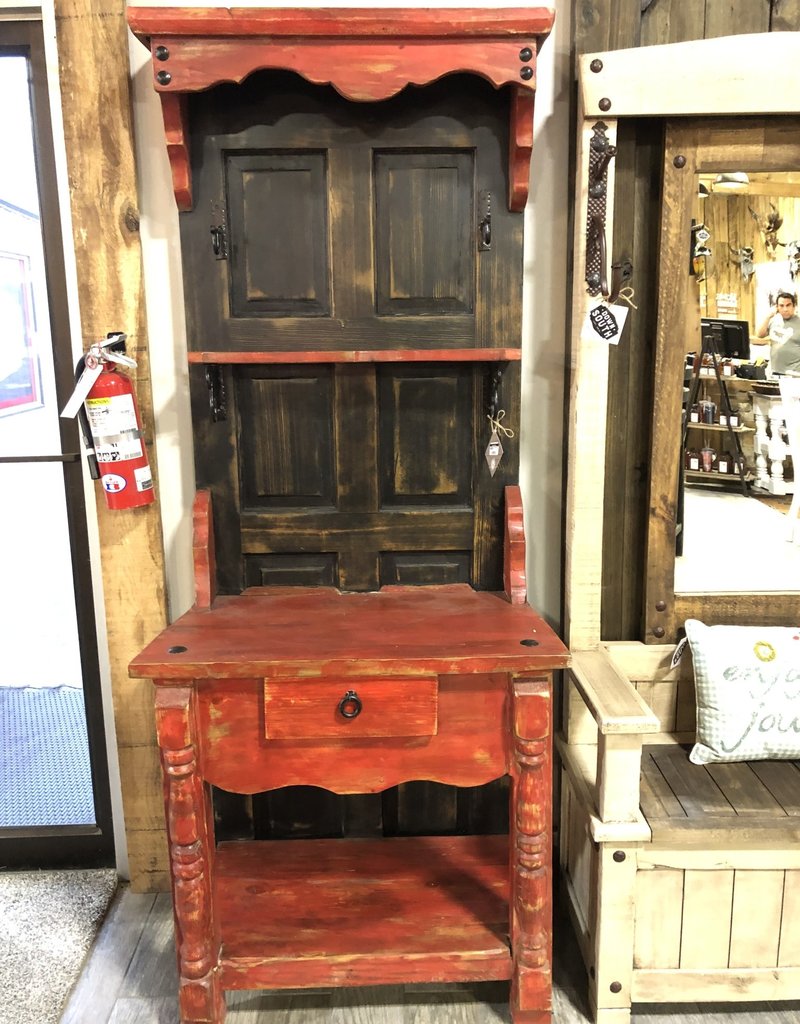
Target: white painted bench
(682,880)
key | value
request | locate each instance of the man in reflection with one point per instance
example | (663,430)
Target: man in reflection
(781,328)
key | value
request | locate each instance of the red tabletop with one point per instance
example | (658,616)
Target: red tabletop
(303,631)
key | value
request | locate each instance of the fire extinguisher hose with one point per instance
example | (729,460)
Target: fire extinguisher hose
(83,420)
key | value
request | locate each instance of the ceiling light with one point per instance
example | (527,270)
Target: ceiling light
(733,181)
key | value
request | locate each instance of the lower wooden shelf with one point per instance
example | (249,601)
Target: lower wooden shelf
(362,911)
(712,475)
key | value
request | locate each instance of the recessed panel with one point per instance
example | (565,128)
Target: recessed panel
(424,568)
(281,570)
(424,251)
(278,234)
(286,437)
(425,435)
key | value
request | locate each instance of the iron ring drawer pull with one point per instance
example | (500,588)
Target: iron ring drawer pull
(350,705)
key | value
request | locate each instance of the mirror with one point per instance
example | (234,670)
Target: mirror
(745,252)
(734,284)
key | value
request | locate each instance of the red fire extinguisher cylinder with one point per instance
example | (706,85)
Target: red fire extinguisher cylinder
(116,429)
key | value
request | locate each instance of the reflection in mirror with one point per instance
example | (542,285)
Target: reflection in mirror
(734,528)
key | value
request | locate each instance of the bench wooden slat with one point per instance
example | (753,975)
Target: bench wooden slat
(697,792)
(744,790)
(658,800)
(782,779)
(737,799)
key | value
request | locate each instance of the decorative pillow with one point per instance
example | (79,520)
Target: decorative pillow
(747,680)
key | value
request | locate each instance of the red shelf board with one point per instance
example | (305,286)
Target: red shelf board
(361,911)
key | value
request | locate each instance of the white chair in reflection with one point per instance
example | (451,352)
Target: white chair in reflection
(790,400)
(769,447)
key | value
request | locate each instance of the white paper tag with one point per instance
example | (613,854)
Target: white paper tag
(677,654)
(604,322)
(82,389)
(494,453)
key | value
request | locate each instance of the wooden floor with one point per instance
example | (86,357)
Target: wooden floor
(130,978)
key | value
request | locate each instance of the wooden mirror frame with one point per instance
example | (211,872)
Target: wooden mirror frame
(648,82)
(692,147)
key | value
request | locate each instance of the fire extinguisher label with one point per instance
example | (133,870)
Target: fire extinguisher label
(113,483)
(114,428)
(144,479)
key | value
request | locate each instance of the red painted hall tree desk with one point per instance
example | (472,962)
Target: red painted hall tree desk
(356,693)
(351,187)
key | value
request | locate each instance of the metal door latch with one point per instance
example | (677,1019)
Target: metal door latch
(219,238)
(484,220)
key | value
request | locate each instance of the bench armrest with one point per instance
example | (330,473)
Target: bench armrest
(610,697)
(622,717)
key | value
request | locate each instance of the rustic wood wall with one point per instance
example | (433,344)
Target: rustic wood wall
(732,225)
(92,44)
(610,25)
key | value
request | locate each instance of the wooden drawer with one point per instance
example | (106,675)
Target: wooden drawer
(319,708)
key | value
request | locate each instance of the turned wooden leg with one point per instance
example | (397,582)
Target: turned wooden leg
(191,849)
(531,855)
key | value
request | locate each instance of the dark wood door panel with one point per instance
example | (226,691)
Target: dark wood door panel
(361,543)
(424,241)
(328,529)
(286,435)
(425,446)
(298,496)
(278,234)
(349,225)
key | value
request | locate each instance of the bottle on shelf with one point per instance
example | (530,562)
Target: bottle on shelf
(692,460)
(708,457)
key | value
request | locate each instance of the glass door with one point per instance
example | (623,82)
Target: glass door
(54,796)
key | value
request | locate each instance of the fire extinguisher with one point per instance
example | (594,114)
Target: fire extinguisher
(106,406)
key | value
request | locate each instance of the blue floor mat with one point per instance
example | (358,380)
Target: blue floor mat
(45,775)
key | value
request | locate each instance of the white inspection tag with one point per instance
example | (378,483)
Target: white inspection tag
(82,389)
(604,322)
(677,654)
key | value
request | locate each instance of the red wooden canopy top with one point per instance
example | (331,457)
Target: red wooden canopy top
(365,55)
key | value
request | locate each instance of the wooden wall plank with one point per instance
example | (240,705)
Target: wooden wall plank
(92,40)
(587,428)
(735,17)
(785,16)
(605,24)
(638,174)
(673,336)
(673,21)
